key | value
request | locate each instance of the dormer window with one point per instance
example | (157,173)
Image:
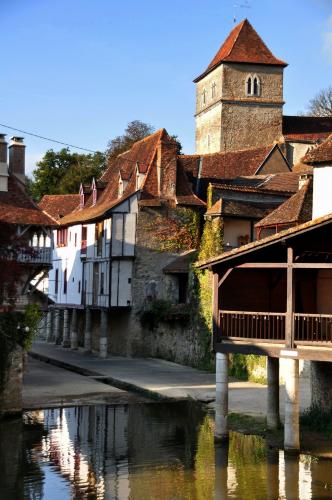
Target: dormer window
(94,192)
(120,191)
(253,86)
(81,193)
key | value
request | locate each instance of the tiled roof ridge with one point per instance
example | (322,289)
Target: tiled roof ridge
(320,154)
(238,151)
(289,211)
(243,45)
(255,189)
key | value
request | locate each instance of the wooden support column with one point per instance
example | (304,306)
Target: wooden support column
(289,322)
(103,341)
(57,333)
(66,332)
(292,427)
(49,327)
(73,330)
(221,411)
(87,330)
(215,309)
(272,417)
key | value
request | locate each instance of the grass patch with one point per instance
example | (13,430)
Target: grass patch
(247,424)
(318,420)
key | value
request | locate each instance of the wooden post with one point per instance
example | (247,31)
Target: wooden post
(289,323)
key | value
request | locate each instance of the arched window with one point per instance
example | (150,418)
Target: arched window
(249,85)
(213,90)
(203,98)
(256,86)
(253,85)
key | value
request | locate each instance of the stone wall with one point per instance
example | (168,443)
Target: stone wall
(233,120)
(11,396)
(171,340)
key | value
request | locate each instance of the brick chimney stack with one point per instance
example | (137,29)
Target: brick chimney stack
(17,158)
(3,163)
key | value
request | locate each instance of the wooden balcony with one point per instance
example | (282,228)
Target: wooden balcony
(265,333)
(35,255)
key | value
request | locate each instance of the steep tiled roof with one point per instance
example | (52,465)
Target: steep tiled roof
(322,154)
(297,209)
(284,181)
(144,153)
(59,205)
(243,45)
(232,164)
(237,208)
(184,193)
(306,128)
(17,208)
(180,265)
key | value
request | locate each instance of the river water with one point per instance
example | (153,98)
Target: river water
(151,451)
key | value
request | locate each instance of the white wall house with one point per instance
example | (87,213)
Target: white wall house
(322,191)
(93,262)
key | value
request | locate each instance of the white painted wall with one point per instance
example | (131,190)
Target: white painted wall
(67,257)
(233,229)
(322,198)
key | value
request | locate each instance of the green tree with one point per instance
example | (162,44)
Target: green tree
(61,172)
(135,131)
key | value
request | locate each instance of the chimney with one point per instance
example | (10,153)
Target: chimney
(303,179)
(166,168)
(3,164)
(17,158)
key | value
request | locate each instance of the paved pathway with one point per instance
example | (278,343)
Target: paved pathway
(161,379)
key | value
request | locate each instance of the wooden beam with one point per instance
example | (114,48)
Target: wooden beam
(289,322)
(225,276)
(262,265)
(284,265)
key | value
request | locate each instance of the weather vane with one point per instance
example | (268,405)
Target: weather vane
(244,5)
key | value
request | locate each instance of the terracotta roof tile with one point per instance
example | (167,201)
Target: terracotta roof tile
(284,181)
(180,265)
(17,208)
(59,205)
(322,154)
(296,210)
(233,164)
(184,192)
(306,128)
(243,45)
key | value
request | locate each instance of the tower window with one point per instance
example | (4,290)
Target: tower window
(203,98)
(253,85)
(213,90)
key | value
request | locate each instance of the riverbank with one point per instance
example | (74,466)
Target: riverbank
(163,380)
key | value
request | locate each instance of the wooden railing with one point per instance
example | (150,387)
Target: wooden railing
(312,328)
(36,255)
(268,326)
(252,325)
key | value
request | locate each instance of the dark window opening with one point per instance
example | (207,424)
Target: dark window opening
(56,286)
(183,288)
(101,283)
(65,281)
(79,287)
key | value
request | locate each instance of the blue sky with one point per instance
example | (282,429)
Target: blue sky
(79,70)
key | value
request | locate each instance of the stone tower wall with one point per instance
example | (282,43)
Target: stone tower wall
(232,120)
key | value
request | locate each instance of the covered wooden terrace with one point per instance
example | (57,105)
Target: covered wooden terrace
(275,295)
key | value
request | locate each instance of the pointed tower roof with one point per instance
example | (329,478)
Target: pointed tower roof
(243,45)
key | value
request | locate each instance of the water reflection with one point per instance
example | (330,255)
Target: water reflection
(143,452)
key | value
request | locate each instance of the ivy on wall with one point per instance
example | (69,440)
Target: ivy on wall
(174,229)
(16,329)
